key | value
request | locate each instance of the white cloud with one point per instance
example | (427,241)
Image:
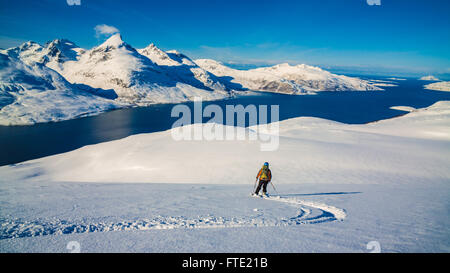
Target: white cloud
(105,30)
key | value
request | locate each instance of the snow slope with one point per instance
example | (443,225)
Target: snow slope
(339,187)
(438,86)
(45,217)
(284,78)
(34,93)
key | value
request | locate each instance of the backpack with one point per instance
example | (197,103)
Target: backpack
(264,173)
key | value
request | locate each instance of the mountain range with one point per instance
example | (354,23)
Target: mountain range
(60,80)
(284,78)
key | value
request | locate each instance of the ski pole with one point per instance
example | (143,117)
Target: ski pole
(274,188)
(254,186)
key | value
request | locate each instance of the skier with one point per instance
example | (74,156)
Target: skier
(264,175)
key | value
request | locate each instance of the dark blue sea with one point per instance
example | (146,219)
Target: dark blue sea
(20,143)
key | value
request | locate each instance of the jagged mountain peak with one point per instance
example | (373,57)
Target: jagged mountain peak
(113,41)
(63,50)
(161,57)
(54,52)
(152,49)
(152,46)
(28,44)
(29,52)
(61,43)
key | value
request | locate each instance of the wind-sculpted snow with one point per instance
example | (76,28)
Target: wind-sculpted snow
(309,213)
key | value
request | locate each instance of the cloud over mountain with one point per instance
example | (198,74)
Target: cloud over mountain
(105,30)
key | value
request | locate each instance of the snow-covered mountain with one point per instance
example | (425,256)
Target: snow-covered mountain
(182,68)
(135,78)
(429,78)
(126,76)
(31,93)
(116,67)
(284,78)
(53,54)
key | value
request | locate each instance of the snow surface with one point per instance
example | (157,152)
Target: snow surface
(340,186)
(438,86)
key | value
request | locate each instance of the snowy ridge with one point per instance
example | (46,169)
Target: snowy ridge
(309,213)
(284,78)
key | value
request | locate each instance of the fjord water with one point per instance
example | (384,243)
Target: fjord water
(21,143)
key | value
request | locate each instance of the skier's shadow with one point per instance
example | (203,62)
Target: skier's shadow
(320,193)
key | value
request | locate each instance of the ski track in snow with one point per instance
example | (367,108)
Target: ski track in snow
(310,213)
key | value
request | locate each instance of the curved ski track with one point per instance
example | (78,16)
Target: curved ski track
(309,213)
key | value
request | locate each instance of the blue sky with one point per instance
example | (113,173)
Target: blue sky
(398,36)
